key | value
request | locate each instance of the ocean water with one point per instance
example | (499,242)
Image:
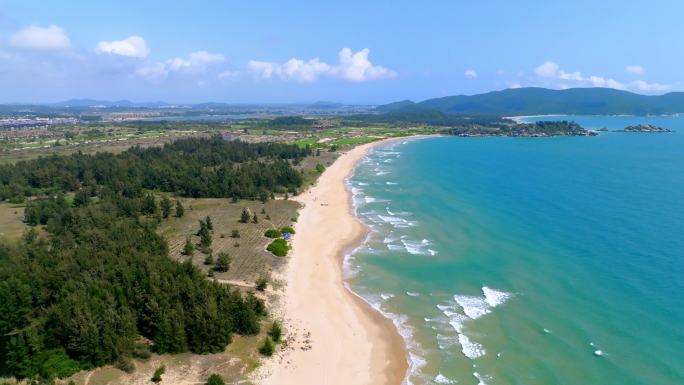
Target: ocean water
(529,261)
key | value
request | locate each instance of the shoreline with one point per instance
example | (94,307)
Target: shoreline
(350,341)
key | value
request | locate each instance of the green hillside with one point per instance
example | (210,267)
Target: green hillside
(538,101)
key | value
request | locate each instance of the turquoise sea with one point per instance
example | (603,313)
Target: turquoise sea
(529,260)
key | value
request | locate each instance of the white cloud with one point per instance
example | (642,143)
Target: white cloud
(547,70)
(228,75)
(195,63)
(133,46)
(352,66)
(550,74)
(34,37)
(649,87)
(598,81)
(293,69)
(470,73)
(577,76)
(154,71)
(356,67)
(635,70)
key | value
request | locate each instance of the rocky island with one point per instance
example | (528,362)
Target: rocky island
(645,128)
(530,130)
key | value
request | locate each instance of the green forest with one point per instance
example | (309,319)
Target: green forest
(97,286)
(209,167)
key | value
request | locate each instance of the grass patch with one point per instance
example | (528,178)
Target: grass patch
(272,233)
(279,247)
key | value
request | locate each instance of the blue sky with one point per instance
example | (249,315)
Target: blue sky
(348,51)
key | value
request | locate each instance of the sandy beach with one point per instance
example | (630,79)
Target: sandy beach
(349,343)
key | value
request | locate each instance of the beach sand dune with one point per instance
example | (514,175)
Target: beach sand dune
(345,341)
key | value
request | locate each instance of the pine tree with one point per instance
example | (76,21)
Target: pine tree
(165,206)
(267,347)
(188,249)
(244,217)
(205,235)
(82,197)
(209,260)
(255,219)
(222,262)
(275,332)
(180,210)
(149,205)
(207,221)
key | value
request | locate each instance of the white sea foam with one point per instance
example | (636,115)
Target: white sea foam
(396,221)
(363,184)
(495,297)
(412,294)
(389,212)
(446,342)
(456,321)
(393,247)
(480,378)
(386,296)
(470,349)
(441,379)
(474,307)
(370,199)
(599,353)
(547,331)
(391,183)
(432,252)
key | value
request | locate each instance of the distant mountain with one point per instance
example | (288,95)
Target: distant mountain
(396,106)
(81,103)
(542,101)
(325,105)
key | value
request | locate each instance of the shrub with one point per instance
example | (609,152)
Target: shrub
(56,363)
(267,347)
(125,364)
(261,283)
(276,331)
(278,247)
(272,233)
(209,260)
(141,351)
(287,229)
(215,379)
(222,262)
(156,377)
(320,168)
(235,234)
